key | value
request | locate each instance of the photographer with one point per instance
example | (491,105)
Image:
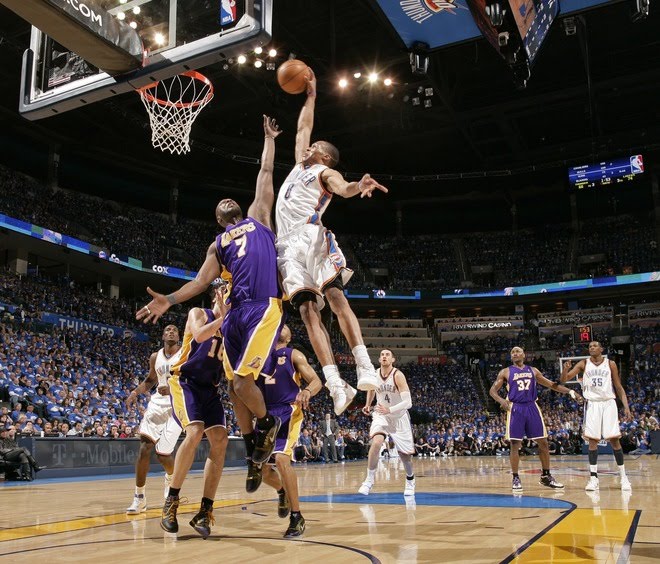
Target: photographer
(10,451)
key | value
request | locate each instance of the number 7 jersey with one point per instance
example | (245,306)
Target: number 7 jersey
(246,253)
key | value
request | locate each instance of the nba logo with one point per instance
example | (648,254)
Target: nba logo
(227,12)
(637,164)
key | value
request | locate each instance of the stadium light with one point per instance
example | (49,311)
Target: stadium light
(373,77)
(343,83)
(241,59)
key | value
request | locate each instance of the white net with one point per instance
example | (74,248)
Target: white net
(173,105)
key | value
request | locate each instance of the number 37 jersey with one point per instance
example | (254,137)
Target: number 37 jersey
(521,384)
(247,255)
(597,381)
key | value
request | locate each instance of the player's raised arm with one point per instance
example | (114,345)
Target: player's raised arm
(314,385)
(306,118)
(146,384)
(554,386)
(199,327)
(337,184)
(568,373)
(616,383)
(262,206)
(209,271)
(495,388)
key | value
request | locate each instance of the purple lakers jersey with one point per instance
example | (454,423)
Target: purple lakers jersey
(247,255)
(521,384)
(279,381)
(200,363)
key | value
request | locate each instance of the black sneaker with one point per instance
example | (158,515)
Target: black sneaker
(265,442)
(296,527)
(549,482)
(254,476)
(202,522)
(168,520)
(282,505)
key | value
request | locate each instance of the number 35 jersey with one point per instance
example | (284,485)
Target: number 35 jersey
(247,256)
(597,381)
(521,384)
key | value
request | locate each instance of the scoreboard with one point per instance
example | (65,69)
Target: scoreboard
(582,334)
(606,173)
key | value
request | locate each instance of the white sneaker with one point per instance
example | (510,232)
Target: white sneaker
(342,395)
(367,378)
(168,483)
(592,484)
(625,484)
(410,487)
(365,488)
(138,506)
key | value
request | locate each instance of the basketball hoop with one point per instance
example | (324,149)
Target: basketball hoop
(173,105)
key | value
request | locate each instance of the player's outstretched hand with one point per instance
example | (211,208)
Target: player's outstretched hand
(311,82)
(367,185)
(366,410)
(271,129)
(154,309)
(567,365)
(302,399)
(131,399)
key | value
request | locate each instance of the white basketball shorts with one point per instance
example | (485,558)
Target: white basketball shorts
(160,427)
(601,420)
(398,428)
(308,260)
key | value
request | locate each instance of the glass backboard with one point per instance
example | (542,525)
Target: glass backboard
(178,35)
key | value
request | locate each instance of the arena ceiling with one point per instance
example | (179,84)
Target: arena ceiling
(479,121)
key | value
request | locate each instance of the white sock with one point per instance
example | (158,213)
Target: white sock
(371,475)
(361,356)
(593,468)
(168,477)
(331,373)
(139,491)
(622,470)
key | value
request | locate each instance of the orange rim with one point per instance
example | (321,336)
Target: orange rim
(144,92)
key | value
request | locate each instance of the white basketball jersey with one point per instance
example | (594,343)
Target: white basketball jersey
(597,381)
(302,199)
(387,393)
(162,368)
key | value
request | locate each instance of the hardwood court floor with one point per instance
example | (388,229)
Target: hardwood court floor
(463,511)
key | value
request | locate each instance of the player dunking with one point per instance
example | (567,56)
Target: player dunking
(245,255)
(390,417)
(524,417)
(281,383)
(158,428)
(310,262)
(600,379)
(198,408)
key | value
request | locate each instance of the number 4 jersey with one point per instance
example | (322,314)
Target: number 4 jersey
(597,381)
(521,384)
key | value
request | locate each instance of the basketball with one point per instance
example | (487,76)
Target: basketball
(291,76)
